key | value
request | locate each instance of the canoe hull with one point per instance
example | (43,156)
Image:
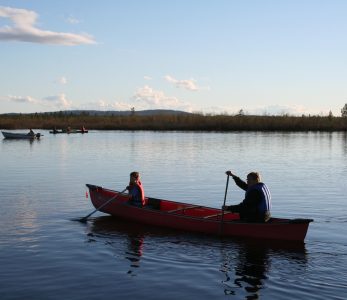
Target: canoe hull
(23,136)
(68,132)
(187,217)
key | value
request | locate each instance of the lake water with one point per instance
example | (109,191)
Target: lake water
(46,255)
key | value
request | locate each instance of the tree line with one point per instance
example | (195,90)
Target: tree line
(188,122)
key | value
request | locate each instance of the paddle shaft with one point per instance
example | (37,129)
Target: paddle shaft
(225,197)
(101,206)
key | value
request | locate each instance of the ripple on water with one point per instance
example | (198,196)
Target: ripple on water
(44,255)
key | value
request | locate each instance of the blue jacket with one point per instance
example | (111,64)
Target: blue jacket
(264,204)
(257,203)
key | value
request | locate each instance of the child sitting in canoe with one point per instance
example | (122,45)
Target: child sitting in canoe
(136,192)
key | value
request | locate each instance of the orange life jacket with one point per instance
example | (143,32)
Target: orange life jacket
(141,196)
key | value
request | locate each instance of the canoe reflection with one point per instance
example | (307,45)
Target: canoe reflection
(108,227)
(251,266)
(245,265)
(22,141)
(134,253)
(252,263)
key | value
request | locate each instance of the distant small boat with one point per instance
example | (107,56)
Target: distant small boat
(12,135)
(68,132)
(198,218)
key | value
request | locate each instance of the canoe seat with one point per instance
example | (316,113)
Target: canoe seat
(153,203)
(217,215)
(183,208)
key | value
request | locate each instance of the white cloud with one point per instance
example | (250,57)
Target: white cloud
(293,109)
(148,98)
(153,97)
(276,110)
(188,84)
(121,106)
(21,99)
(59,101)
(62,80)
(24,30)
(102,104)
(53,102)
(105,105)
(113,106)
(72,20)
(143,98)
(147,78)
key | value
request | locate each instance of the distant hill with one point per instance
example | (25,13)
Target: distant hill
(151,112)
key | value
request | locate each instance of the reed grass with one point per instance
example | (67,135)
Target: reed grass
(184,122)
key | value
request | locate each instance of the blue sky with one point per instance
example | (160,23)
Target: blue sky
(265,57)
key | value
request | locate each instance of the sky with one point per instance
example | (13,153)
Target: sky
(264,57)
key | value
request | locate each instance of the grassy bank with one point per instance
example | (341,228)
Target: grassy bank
(195,122)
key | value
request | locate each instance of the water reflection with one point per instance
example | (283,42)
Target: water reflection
(23,141)
(247,273)
(109,227)
(134,252)
(344,144)
(244,265)
(250,268)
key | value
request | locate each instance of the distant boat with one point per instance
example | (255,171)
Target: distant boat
(198,218)
(68,131)
(11,135)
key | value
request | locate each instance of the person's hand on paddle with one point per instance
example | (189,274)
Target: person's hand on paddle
(230,174)
(230,208)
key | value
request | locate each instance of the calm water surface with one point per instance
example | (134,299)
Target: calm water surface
(45,255)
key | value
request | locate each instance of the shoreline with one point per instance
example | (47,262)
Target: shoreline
(186,122)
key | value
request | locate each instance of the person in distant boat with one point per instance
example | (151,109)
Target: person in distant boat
(83,129)
(68,129)
(55,129)
(257,203)
(136,192)
(31,132)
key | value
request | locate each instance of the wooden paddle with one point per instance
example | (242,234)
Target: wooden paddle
(225,197)
(84,219)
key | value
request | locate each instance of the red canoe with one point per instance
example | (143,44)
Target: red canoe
(188,217)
